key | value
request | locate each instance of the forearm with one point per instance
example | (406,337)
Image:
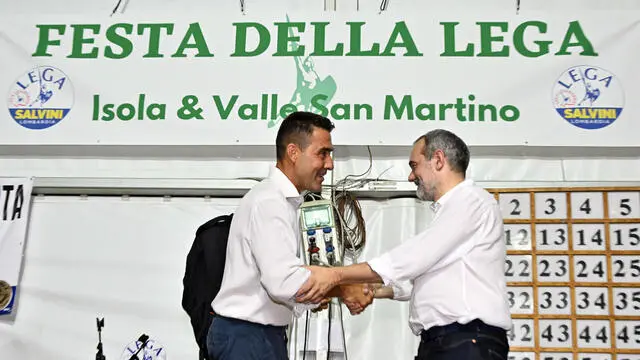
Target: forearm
(358,273)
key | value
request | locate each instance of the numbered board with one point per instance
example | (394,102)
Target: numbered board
(573,271)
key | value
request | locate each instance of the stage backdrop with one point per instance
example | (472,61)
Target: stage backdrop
(213,75)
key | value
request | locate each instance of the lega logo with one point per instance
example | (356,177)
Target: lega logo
(588,97)
(144,348)
(40,98)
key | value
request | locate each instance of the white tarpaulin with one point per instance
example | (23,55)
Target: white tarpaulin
(15,198)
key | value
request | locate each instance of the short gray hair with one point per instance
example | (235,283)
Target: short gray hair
(454,149)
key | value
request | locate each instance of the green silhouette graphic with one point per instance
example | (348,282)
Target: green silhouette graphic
(308,84)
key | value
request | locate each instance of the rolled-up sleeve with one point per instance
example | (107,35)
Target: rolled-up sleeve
(274,243)
(452,229)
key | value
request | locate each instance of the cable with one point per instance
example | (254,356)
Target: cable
(306,332)
(329,332)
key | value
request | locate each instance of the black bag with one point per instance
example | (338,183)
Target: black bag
(203,276)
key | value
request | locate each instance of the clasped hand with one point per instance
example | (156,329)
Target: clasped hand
(324,280)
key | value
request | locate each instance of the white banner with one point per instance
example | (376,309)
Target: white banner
(216,76)
(15,198)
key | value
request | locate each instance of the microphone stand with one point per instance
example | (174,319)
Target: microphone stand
(143,339)
(99,354)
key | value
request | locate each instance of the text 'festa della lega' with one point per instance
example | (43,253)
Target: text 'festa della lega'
(122,40)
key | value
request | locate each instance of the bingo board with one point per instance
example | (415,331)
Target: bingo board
(573,272)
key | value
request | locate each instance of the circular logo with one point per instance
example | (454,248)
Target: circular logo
(6,292)
(588,97)
(40,98)
(152,350)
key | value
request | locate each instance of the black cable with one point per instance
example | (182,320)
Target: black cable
(329,333)
(116,8)
(306,331)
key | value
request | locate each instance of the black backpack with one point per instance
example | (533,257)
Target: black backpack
(203,276)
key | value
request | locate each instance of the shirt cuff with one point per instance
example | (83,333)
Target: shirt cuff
(299,309)
(401,292)
(382,266)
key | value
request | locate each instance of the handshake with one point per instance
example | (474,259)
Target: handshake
(323,285)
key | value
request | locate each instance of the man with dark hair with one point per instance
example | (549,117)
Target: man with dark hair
(458,303)
(263,268)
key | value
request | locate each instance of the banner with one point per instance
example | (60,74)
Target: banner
(15,198)
(218,77)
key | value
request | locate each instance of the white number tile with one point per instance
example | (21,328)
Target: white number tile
(518,268)
(594,334)
(556,356)
(520,299)
(517,236)
(587,205)
(515,206)
(551,205)
(522,356)
(588,237)
(626,301)
(592,301)
(554,300)
(625,268)
(521,333)
(624,205)
(590,268)
(594,356)
(627,334)
(555,333)
(628,357)
(552,237)
(624,236)
(553,268)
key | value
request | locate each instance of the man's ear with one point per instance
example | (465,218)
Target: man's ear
(293,152)
(438,155)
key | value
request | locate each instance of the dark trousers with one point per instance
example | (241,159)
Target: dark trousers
(473,341)
(234,339)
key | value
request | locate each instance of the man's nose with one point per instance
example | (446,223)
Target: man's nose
(329,163)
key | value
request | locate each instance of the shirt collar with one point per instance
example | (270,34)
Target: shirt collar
(437,205)
(285,185)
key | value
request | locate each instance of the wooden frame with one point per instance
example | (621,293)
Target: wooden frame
(616,284)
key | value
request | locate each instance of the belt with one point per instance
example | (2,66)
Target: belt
(473,326)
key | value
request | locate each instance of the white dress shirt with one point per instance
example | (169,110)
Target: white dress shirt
(263,270)
(456,264)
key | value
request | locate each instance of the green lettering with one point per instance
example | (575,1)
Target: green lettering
(154,38)
(319,41)
(79,40)
(518,39)
(264,38)
(117,39)
(443,110)
(428,116)
(248,111)
(450,42)
(401,30)
(483,108)
(581,41)
(317,104)
(355,42)
(224,112)
(398,110)
(487,39)
(43,38)
(199,43)
(285,36)
(515,113)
